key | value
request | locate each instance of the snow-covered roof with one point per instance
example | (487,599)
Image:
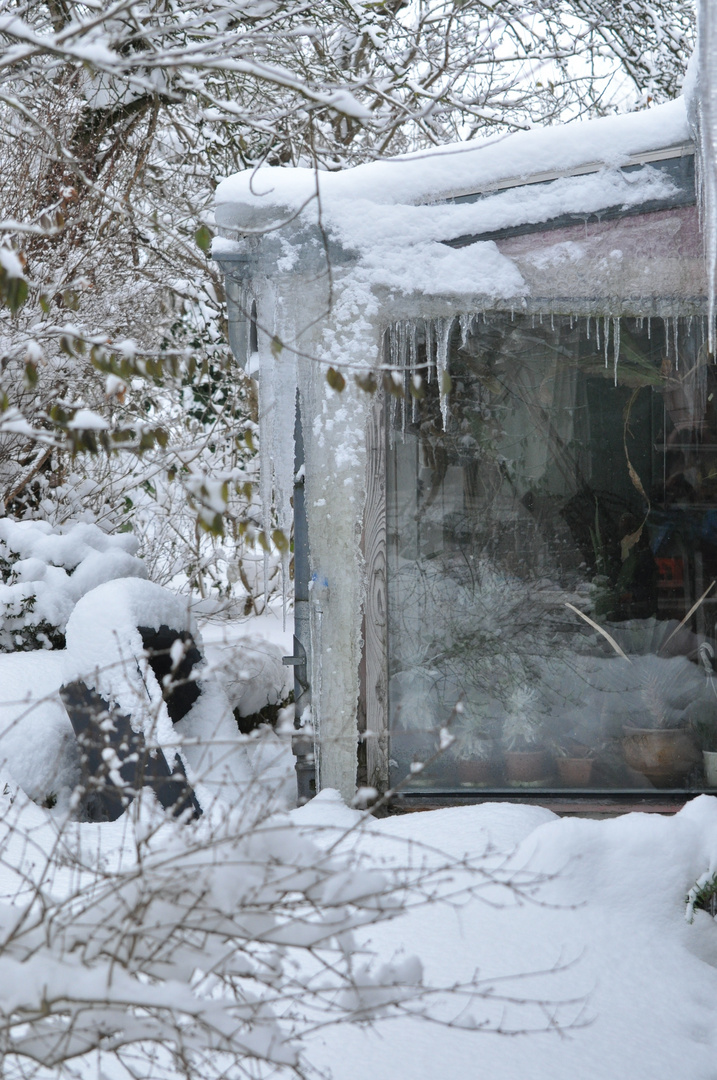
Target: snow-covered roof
(397,221)
(460,168)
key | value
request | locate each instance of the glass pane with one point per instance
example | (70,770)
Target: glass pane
(558,481)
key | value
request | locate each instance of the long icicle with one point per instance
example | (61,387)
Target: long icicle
(443,333)
(606,335)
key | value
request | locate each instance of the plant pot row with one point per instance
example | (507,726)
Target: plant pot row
(665,757)
(528,767)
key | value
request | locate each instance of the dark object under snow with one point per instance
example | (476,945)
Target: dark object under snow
(116,762)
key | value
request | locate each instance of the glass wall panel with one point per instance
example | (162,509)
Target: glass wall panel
(552,560)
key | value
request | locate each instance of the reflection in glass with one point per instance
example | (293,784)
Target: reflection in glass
(557,481)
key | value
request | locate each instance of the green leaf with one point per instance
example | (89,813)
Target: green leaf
(393,386)
(16,292)
(280,540)
(335,380)
(30,373)
(367,382)
(203,238)
(416,387)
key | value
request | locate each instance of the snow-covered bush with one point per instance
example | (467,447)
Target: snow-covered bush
(176,950)
(45,571)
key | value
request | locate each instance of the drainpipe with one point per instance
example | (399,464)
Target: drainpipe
(302,742)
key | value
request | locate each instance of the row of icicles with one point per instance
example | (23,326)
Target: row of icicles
(406,339)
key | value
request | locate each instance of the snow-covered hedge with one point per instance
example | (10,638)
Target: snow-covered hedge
(45,571)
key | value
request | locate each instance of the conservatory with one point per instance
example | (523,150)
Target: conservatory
(505,477)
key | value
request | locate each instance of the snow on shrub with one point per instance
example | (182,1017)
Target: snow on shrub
(45,571)
(106,649)
(177,950)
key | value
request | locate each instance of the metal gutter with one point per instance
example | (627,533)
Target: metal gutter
(633,161)
(679,169)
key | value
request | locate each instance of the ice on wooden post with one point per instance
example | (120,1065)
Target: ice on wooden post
(277,397)
(701,97)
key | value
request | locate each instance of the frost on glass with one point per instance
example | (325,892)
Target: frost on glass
(552,555)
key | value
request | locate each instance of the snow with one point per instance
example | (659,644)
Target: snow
(105,649)
(10,263)
(243,670)
(593,953)
(51,569)
(517,942)
(37,743)
(459,167)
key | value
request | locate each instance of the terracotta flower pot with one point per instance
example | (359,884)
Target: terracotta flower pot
(666,757)
(526,766)
(575,772)
(474,772)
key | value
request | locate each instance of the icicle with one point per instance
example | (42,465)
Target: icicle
(393,346)
(540,318)
(403,344)
(532,321)
(597,333)
(552,321)
(443,335)
(401,366)
(666,327)
(465,324)
(413,364)
(649,327)
(571,321)
(429,351)
(616,343)
(606,334)
(512,313)
(675,327)
(588,326)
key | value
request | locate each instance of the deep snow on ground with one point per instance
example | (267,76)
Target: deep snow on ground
(624,986)
(574,931)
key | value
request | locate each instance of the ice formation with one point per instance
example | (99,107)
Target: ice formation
(701,96)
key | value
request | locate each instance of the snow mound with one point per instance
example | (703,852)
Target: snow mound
(571,934)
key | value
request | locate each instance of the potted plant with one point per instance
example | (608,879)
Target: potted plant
(574,761)
(656,740)
(526,759)
(474,753)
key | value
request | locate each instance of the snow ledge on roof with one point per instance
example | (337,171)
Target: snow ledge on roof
(431,175)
